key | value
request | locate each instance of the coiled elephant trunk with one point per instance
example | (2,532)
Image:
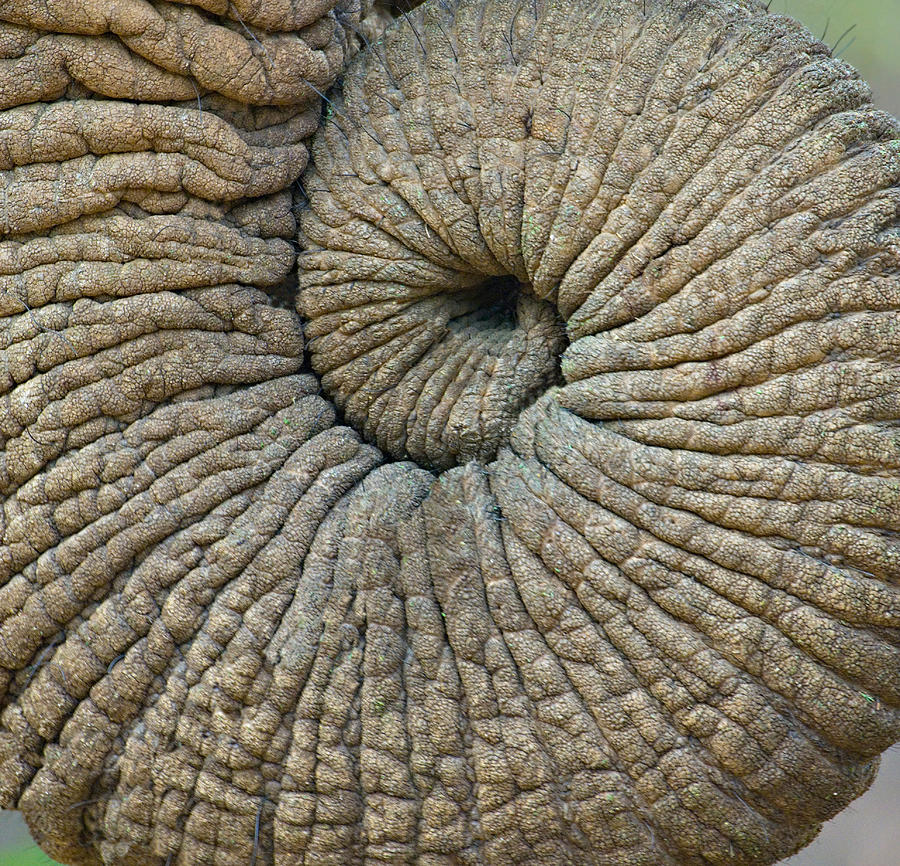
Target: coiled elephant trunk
(575,538)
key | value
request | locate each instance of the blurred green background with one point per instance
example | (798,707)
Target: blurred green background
(868,833)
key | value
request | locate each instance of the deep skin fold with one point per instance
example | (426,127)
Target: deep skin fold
(607,572)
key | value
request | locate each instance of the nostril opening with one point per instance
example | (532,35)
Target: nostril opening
(495,302)
(511,342)
(440,379)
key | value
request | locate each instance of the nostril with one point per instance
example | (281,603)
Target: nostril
(496,300)
(440,379)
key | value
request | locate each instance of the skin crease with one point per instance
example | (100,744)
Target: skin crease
(574,537)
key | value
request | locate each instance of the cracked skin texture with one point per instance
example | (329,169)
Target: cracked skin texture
(609,574)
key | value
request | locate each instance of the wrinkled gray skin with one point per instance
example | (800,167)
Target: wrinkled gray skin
(575,538)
